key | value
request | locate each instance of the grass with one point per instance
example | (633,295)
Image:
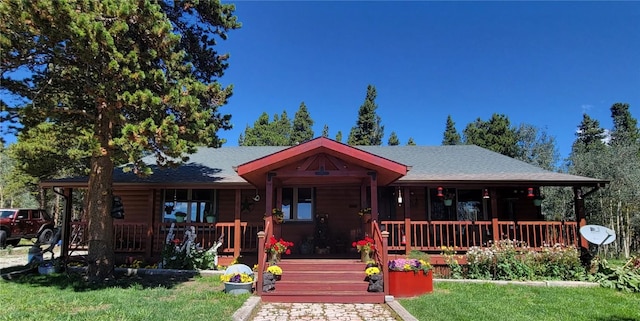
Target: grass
(61,297)
(483,301)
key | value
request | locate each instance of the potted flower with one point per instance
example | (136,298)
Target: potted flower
(365,247)
(180,217)
(276,271)
(410,277)
(275,248)
(237,282)
(375,279)
(278,215)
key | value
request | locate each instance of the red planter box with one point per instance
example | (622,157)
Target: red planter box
(408,283)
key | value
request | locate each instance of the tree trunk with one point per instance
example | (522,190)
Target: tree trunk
(98,207)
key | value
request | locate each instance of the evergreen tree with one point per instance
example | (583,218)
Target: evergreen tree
(393,139)
(410,142)
(339,136)
(302,130)
(368,129)
(136,78)
(325,131)
(450,136)
(281,128)
(590,136)
(496,135)
(625,127)
(268,133)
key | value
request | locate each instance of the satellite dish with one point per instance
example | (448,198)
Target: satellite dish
(597,234)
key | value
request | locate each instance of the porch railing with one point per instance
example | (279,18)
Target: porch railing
(127,237)
(431,236)
(137,237)
(207,235)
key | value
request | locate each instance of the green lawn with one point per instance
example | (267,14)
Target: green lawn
(57,297)
(472,301)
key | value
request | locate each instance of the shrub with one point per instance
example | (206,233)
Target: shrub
(514,260)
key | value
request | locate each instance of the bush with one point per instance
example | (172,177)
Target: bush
(514,260)
(625,278)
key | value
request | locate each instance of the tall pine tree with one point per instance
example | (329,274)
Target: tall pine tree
(393,139)
(302,130)
(368,129)
(496,135)
(451,136)
(136,78)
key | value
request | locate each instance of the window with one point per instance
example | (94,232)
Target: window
(297,204)
(195,203)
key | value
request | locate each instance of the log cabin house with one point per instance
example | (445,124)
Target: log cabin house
(421,198)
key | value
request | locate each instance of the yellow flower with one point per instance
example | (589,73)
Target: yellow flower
(275,270)
(372,270)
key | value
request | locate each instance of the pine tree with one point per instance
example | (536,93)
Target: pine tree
(590,136)
(410,142)
(625,127)
(325,131)
(368,129)
(136,77)
(267,133)
(496,135)
(339,136)
(451,136)
(302,130)
(393,139)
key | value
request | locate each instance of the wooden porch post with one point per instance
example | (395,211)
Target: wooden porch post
(581,219)
(374,201)
(407,220)
(237,231)
(66,221)
(268,202)
(261,265)
(494,216)
(150,219)
(385,259)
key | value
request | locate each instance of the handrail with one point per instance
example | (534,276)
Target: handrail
(263,238)
(381,255)
(432,235)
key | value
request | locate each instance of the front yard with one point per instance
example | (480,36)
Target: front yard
(473,301)
(60,297)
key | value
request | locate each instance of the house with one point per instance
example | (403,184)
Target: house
(424,197)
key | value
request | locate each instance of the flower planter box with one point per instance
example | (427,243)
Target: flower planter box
(238,288)
(408,283)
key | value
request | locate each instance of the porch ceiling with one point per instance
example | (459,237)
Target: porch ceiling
(256,171)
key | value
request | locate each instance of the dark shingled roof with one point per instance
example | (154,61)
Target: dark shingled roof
(459,163)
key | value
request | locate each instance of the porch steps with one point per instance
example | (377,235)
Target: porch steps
(322,281)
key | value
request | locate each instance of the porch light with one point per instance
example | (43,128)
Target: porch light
(399,196)
(440,192)
(530,192)
(485,195)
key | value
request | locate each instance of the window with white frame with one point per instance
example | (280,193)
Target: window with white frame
(297,203)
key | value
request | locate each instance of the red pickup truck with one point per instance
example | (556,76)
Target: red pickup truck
(18,223)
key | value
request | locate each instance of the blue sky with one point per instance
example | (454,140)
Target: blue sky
(541,63)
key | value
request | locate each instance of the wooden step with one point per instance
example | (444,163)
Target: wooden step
(321,286)
(322,280)
(324,297)
(293,275)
